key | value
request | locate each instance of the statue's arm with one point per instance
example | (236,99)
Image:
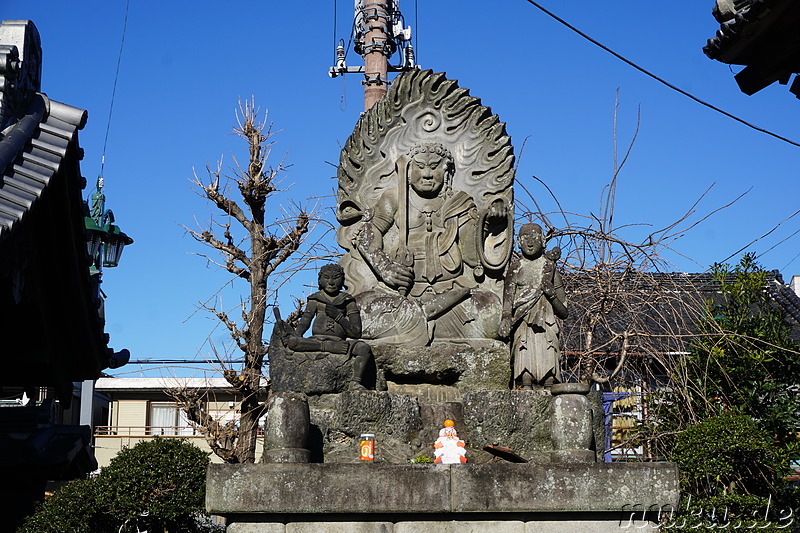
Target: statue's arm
(305,319)
(471,236)
(509,292)
(349,320)
(369,242)
(556,295)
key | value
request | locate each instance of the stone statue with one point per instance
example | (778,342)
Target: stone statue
(534,297)
(335,322)
(425,203)
(434,260)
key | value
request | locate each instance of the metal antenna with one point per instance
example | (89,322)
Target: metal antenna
(114,90)
(379,33)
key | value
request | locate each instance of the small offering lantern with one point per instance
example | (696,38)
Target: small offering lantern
(448,449)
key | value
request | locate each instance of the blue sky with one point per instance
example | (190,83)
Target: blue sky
(185,65)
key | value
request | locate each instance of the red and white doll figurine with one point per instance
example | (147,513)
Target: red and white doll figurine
(448,449)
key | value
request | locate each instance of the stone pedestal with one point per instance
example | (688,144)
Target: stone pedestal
(444,372)
(496,498)
(571,425)
(286,429)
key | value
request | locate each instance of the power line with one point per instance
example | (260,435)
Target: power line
(171,361)
(659,79)
(114,89)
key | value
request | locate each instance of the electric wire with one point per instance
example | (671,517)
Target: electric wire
(416,30)
(114,89)
(335,9)
(777,244)
(779,224)
(659,79)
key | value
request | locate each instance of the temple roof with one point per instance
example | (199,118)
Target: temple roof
(31,151)
(763,36)
(51,327)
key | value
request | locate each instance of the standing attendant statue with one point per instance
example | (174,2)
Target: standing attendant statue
(336,325)
(534,298)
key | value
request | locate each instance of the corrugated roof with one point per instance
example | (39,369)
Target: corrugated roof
(31,152)
(142,384)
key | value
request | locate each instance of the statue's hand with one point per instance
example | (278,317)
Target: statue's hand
(332,311)
(548,290)
(292,341)
(396,275)
(505,328)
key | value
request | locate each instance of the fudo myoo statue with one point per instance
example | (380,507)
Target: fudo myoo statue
(434,260)
(425,202)
(534,297)
(336,324)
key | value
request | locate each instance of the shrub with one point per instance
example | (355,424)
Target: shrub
(156,485)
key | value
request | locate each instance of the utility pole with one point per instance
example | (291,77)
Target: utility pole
(379,33)
(376,50)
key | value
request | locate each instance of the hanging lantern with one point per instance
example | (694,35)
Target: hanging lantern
(95,235)
(115,241)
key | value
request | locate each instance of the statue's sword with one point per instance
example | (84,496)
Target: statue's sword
(403,256)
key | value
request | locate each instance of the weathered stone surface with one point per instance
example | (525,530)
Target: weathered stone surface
(507,487)
(517,419)
(601,524)
(488,488)
(589,526)
(406,426)
(337,421)
(340,527)
(461,526)
(329,488)
(308,372)
(468,368)
(571,424)
(286,429)
(246,527)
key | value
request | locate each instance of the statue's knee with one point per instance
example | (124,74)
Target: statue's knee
(361,350)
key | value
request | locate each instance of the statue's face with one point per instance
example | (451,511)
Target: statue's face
(531,243)
(427,173)
(331,282)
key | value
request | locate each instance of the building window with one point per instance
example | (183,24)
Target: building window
(166,418)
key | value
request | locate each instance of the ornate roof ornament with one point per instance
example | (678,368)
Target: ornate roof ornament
(20,68)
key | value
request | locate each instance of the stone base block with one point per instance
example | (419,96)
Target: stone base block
(599,525)
(468,368)
(461,526)
(569,457)
(339,527)
(375,489)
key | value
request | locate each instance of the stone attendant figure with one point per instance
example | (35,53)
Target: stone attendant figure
(336,324)
(422,243)
(534,297)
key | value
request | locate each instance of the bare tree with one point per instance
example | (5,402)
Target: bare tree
(262,252)
(631,316)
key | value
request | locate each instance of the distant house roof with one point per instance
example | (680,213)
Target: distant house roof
(763,36)
(160,384)
(664,307)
